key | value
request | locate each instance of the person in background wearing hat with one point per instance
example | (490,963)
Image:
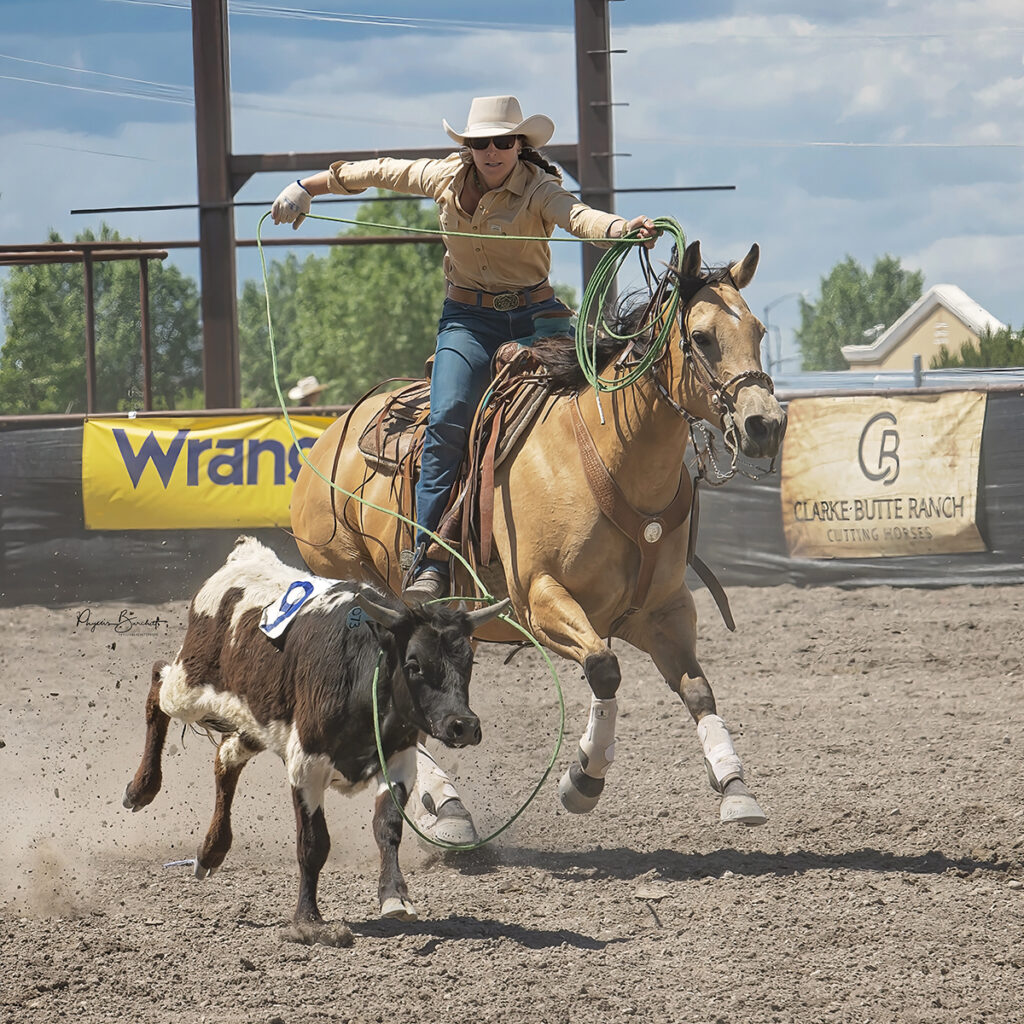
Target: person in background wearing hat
(496,185)
(307,391)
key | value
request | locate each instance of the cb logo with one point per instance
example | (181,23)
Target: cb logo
(878,448)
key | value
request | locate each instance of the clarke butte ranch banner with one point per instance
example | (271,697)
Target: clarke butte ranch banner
(869,476)
(206,472)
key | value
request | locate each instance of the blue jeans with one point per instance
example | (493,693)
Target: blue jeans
(467,339)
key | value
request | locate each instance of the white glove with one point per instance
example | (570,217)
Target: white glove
(291,205)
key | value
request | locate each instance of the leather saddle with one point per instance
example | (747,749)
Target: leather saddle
(392,444)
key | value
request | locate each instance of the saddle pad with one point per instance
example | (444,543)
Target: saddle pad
(279,614)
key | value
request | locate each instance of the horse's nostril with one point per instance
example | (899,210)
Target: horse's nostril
(757,427)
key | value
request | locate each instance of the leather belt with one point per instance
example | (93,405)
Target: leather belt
(501,301)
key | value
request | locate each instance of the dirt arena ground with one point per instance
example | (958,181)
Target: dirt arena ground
(881,730)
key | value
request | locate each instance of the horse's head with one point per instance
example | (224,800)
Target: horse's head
(720,379)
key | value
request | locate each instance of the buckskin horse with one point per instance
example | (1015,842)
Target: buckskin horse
(591,509)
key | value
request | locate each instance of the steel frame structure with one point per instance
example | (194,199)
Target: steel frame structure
(221,173)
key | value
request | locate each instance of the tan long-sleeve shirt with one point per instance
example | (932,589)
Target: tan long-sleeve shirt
(529,202)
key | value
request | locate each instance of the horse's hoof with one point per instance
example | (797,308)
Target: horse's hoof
(398,909)
(454,825)
(578,792)
(127,801)
(741,809)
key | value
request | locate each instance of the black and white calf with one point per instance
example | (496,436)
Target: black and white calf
(306,695)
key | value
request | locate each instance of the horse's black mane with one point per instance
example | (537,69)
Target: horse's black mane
(557,354)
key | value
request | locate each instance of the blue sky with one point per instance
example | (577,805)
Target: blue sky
(882,127)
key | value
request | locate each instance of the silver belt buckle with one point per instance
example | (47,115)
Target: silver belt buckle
(504,301)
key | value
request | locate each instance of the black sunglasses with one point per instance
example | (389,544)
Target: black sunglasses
(500,142)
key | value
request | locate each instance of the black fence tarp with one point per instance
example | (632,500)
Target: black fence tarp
(48,557)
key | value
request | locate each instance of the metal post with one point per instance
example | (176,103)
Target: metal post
(221,373)
(90,335)
(147,370)
(596,174)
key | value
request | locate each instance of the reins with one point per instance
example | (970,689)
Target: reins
(665,307)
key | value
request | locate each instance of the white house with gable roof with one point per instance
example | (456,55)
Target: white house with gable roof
(944,315)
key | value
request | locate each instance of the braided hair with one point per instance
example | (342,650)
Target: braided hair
(533,156)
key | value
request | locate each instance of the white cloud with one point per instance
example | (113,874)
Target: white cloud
(978,264)
(722,100)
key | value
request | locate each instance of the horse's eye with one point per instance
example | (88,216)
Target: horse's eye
(701,338)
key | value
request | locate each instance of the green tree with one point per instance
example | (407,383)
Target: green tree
(42,362)
(853,300)
(357,316)
(258,381)
(995,348)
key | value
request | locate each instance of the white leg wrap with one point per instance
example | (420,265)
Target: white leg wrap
(598,743)
(718,749)
(431,779)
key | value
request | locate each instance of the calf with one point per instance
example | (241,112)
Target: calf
(306,694)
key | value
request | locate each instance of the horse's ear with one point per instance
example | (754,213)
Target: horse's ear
(691,265)
(742,273)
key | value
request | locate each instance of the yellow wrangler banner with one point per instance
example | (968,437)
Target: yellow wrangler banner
(188,473)
(866,476)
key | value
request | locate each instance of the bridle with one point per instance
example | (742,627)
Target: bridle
(721,394)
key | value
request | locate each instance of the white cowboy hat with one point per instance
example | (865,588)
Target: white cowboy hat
(307,386)
(502,115)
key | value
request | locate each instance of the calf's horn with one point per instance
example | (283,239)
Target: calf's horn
(482,616)
(377,610)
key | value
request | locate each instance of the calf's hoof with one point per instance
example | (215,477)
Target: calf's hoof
(398,909)
(741,809)
(134,803)
(579,792)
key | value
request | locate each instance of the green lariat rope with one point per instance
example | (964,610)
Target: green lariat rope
(595,298)
(597,290)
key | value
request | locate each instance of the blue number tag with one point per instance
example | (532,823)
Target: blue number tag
(278,615)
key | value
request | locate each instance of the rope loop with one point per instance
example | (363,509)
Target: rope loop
(591,320)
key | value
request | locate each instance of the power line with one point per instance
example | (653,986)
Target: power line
(243,8)
(101,74)
(93,89)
